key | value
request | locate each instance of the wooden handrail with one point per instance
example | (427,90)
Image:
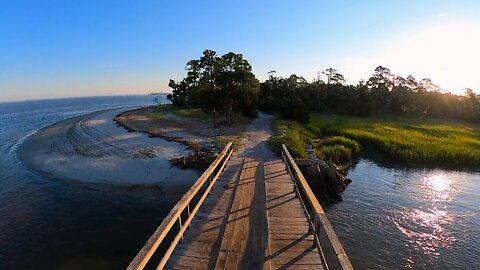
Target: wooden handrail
(175,215)
(327,241)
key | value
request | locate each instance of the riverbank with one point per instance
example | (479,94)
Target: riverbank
(93,149)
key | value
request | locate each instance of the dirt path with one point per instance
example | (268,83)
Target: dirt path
(246,235)
(255,143)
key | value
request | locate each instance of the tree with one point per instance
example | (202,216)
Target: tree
(239,87)
(381,78)
(333,76)
(179,93)
(218,85)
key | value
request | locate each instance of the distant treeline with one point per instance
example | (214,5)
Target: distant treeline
(227,85)
(382,94)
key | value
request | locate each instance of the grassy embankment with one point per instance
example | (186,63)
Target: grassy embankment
(197,114)
(408,141)
(231,133)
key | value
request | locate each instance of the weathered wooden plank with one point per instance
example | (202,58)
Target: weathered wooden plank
(235,237)
(208,225)
(230,230)
(304,257)
(291,236)
(296,214)
(186,262)
(290,243)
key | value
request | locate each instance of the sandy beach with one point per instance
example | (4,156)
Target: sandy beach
(93,149)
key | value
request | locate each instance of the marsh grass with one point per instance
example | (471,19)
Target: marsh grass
(337,150)
(411,141)
(350,144)
(291,134)
(334,154)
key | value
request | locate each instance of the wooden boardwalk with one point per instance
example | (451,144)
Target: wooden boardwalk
(291,244)
(238,227)
(258,215)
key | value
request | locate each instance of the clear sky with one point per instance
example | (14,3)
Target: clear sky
(84,48)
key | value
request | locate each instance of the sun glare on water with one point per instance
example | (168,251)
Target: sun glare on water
(426,228)
(438,187)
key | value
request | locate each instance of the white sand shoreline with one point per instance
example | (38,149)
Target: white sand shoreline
(91,148)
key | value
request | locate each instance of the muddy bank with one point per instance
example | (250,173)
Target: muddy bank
(198,136)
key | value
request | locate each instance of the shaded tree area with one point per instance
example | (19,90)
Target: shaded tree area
(382,94)
(222,85)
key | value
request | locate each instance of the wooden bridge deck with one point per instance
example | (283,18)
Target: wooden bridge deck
(291,244)
(252,220)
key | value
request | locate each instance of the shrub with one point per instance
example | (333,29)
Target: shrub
(290,135)
(340,140)
(334,154)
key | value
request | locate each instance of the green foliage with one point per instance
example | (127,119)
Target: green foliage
(350,144)
(292,135)
(334,154)
(382,94)
(408,140)
(216,84)
(280,96)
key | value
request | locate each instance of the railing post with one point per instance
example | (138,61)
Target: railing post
(180,225)
(188,212)
(295,189)
(312,230)
(210,179)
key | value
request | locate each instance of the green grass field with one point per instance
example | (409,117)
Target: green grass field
(404,140)
(197,114)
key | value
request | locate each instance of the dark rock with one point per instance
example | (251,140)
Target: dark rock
(326,182)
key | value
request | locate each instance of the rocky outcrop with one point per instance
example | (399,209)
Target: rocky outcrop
(328,183)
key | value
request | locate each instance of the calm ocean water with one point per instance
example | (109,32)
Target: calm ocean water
(391,218)
(51,224)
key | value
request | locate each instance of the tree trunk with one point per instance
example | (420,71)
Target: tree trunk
(230,119)
(214,119)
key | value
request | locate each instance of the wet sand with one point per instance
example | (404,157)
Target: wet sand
(93,149)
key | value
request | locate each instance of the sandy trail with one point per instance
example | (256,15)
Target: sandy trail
(255,143)
(252,242)
(93,149)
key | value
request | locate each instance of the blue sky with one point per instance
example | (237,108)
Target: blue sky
(83,48)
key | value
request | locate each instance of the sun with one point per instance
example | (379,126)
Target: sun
(447,53)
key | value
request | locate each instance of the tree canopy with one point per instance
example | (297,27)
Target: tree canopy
(218,84)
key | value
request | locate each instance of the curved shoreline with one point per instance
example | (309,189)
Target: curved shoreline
(92,148)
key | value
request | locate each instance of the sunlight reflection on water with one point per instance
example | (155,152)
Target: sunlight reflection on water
(426,228)
(417,218)
(438,187)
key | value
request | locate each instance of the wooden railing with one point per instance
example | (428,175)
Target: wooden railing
(330,248)
(182,208)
